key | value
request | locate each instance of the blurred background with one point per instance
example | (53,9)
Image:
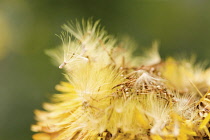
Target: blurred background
(28,28)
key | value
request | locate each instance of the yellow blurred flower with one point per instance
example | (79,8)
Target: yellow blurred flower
(111,95)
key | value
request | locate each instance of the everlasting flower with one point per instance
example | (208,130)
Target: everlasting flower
(111,95)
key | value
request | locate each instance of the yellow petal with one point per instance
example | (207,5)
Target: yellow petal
(204,122)
(41,136)
(64,87)
(142,119)
(156,137)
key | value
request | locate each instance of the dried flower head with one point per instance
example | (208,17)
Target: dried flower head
(111,95)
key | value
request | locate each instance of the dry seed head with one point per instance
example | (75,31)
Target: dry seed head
(108,97)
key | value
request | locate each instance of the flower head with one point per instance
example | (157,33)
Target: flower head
(106,97)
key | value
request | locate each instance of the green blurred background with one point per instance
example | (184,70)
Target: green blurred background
(28,27)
